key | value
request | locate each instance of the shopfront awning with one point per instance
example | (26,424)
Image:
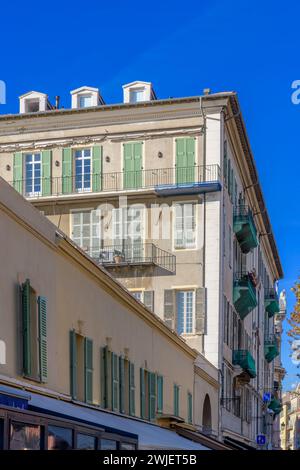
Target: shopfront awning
(150,436)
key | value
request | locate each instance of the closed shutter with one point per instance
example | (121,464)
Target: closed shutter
(97,168)
(169,308)
(152,395)
(225,163)
(200,316)
(176,400)
(88,370)
(43,352)
(73,365)
(131,390)
(122,384)
(26,328)
(160,394)
(142,393)
(190,408)
(115,381)
(18,172)
(67,183)
(104,374)
(149,299)
(46,172)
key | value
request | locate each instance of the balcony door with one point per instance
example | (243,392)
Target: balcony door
(33,171)
(86,231)
(128,232)
(83,170)
(185,160)
(133,161)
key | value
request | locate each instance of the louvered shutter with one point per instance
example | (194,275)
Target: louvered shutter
(169,308)
(200,314)
(88,370)
(26,325)
(43,352)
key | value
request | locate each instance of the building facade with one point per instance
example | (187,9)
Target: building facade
(290,420)
(165,195)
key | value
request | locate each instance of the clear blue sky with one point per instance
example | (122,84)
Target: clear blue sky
(251,47)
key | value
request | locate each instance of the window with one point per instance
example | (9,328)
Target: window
(59,438)
(127,446)
(190,407)
(160,394)
(185,302)
(85,101)
(24,436)
(83,162)
(176,400)
(86,231)
(128,232)
(85,442)
(108,444)
(148,394)
(81,365)
(34,322)
(137,95)
(146,297)
(33,172)
(32,106)
(185,226)
(138,295)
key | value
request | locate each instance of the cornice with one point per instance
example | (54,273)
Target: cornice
(205,376)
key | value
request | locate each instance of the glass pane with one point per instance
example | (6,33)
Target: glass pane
(108,444)
(127,446)
(59,438)
(84,441)
(24,436)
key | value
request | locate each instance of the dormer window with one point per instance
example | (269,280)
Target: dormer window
(86,97)
(34,102)
(137,95)
(85,101)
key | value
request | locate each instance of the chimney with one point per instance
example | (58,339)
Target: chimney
(57,100)
(206,91)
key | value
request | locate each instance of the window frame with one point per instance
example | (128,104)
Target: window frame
(82,158)
(32,180)
(186,291)
(195,205)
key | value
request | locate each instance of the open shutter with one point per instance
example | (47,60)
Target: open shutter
(142,393)
(46,172)
(176,400)
(73,365)
(26,327)
(115,381)
(200,316)
(190,407)
(104,376)
(88,370)
(97,168)
(160,393)
(18,172)
(122,384)
(43,353)
(152,395)
(67,183)
(169,308)
(131,390)
(149,299)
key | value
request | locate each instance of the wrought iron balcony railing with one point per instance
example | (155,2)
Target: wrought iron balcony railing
(116,181)
(137,254)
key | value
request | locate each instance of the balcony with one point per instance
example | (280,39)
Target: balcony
(271,348)
(145,254)
(243,358)
(244,228)
(271,302)
(244,293)
(163,181)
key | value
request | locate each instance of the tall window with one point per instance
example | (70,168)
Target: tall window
(137,95)
(33,172)
(185,311)
(128,230)
(86,231)
(83,162)
(176,400)
(85,101)
(185,226)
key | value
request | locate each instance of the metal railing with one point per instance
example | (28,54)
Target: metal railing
(134,254)
(271,294)
(245,277)
(116,181)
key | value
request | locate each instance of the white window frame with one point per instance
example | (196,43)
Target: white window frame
(91,225)
(135,91)
(82,158)
(85,95)
(185,246)
(185,292)
(33,155)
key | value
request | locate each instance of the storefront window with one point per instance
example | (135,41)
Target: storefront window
(108,444)
(59,438)
(127,446)
(86,442)
(24,436)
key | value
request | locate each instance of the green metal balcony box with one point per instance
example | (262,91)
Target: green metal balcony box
(244,294)
(244,228)
(271,348)
(275,405)
(243,358)
(271,302)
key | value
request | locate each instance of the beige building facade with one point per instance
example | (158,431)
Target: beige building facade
(290,420)
(165,195)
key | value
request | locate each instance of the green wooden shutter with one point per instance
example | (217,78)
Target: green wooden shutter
(149,299)
(97,168)
(26,323)
(152,395)
(190,408)
(132,165)
(131,390)
(104,376)
(142,394)
(190,159)
(200,314)
(176,400)
(46,172)
(43,348)
(160,394)
(88,370)
(67,182)
(169,308)
(122,384)
(185,160)
(115,381)
(138,159)
(73,365)
(18,172)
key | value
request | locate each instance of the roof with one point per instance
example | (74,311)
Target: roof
(84,88)
(136,82)
(31,92)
